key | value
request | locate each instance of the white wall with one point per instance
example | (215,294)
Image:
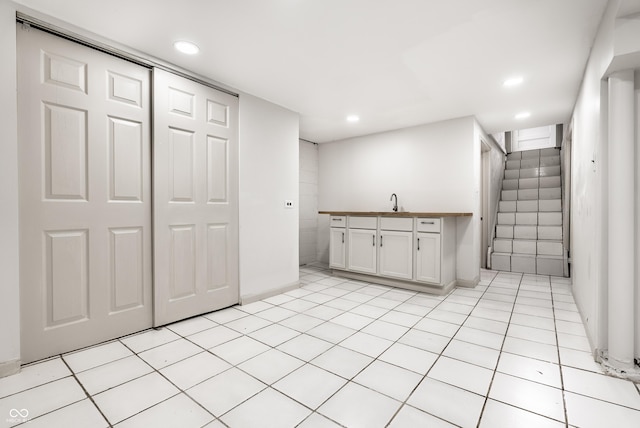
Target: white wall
(432,168)
(588,174)
(497,159)
(9,282)
(496,174)
(589,184)
(308,202)
(500,140)
(269,168)
(637,320)
(323,238)
(428,166)
(469,229)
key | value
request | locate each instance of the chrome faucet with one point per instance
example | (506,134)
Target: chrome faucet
(395,205)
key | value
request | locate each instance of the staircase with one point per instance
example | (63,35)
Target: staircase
(528,235)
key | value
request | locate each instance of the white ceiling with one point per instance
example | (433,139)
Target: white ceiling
(394,63)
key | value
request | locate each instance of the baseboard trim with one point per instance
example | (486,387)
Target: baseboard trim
(8,368)
(425,288)
(468,284)
(251,298)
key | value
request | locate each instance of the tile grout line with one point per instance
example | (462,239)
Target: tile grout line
(89,396)
(350,380)
(404,403)
(33,363)
(335,344)
(267,386)
(557,348)
(451,338)
(555,324)
(181,391)
(270,386)
(495,370)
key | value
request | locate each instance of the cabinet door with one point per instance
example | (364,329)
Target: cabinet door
(396,254)
(337,246)
(428,257)
(362,250)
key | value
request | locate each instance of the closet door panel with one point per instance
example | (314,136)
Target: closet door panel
(85,195)
(195,198)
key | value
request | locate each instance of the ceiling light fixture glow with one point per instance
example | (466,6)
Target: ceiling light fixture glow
(186,47)
(523,115)
(353,118)
(514,81)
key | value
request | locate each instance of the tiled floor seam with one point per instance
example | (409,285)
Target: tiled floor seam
(371,362)
(232,366)
(564,399)
(495,370)
(89,396)
(275,381)
(305,362)
(183,391)
(404,403)
(40,384)
(502,351)
(351,379)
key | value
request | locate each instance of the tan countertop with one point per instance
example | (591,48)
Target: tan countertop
(395,214)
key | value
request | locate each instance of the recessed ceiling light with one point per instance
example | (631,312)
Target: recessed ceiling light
(186,47)
(353,118)
(523,115)
(514,81)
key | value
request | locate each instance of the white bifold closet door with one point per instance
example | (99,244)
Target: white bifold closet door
(195,157)
(85,195)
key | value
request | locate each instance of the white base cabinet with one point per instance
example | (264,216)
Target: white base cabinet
(337,248)
(399,251)
(363,253)
(396,254)
(428,257)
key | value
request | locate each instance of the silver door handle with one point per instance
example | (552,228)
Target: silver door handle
(418,244)
(427,222)
(343,237)
(381,240)
(374,240)
(336,219)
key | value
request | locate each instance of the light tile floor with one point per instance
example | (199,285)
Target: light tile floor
(511,352)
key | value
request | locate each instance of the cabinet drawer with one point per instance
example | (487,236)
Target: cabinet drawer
(394,223)
(338,221)
(363,222)
(429,225)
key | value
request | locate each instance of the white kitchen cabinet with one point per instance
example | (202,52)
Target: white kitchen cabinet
(337,248)
(396,254)
(415,252)
(362,250)
(428,257)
